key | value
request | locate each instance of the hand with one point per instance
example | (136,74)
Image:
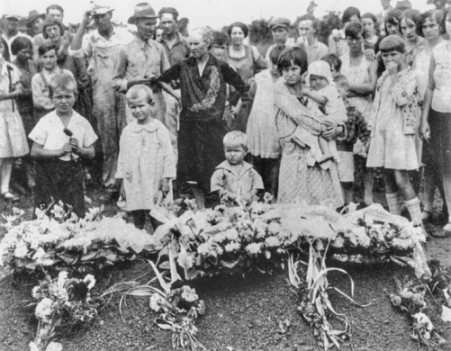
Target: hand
(369,54)
(332,132)
(164,185)
(66,149)
(425,131)
(87,17)
(392,68)
(74,144)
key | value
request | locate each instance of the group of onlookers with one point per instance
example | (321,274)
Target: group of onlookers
(291,121)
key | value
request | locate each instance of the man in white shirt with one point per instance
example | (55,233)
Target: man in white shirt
(12,31)
(101,48)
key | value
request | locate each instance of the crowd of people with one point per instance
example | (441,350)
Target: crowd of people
(208,115)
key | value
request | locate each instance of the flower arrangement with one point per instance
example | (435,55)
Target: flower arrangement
(62,303)
(57,239)
(177,308)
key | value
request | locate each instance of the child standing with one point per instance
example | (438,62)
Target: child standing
(43,103)
(356,128)
(146,159)
(324,94)
(60,139)
(393,127)
(264,144)
(234,177)
(13,141)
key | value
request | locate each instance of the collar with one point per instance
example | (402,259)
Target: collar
(177,41)
(150,127)
(225,165)
(141,43)
(75,119)
(97,35)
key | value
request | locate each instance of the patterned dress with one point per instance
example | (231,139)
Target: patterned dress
(394,123)
(298,181)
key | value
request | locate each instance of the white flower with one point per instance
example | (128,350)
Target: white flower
(155,302)
(232,234)
(90,281)
(33,346)
(274,228)
(39,254)
(424,320)
(254,248)
(231,247)
(189,294)
(272,241)
(44,310)
(36,292)
(206,249)
(62,277)
(21,250)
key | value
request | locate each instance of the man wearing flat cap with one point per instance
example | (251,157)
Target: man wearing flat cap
(280,27)
(12,30)
(142,60)
(101,48)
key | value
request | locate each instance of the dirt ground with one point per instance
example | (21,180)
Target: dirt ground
(243,313)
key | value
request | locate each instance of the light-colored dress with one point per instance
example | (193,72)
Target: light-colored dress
(357,75)
(394,122)
(13,141)
(441,99)
(145,158)
(263,139)
(297,180)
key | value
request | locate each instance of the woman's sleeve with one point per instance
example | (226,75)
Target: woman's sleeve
(298,113)
(403,92)
(232,78)
(170,74)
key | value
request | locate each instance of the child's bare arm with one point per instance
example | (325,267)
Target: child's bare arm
(315,96)
(38,151)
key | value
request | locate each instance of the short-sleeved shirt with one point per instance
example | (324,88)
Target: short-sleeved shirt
(225,178)
(139,60)
(49,132)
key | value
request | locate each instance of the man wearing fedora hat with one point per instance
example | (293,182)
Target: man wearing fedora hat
(34,22)
(101,49)
(143,59)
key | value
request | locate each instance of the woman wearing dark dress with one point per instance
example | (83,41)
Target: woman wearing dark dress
(203,87)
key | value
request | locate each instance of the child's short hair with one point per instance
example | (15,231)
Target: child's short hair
(220,38)
(46,47)
(392,43)
(136,91)
(354,30)
(236,138)
(275,52)
(333,61)
(63,81)
(340,78)
(292,55)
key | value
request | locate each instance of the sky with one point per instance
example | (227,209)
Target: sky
(215,13)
